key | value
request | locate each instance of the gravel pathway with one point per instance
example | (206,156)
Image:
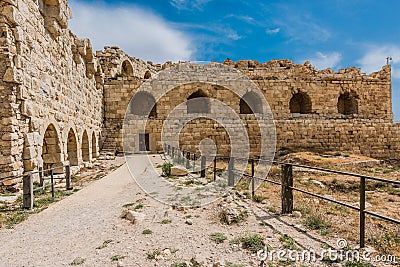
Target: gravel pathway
(77,226)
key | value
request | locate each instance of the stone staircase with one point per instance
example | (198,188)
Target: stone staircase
(109,147)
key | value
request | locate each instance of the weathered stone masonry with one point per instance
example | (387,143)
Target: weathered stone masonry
(59,100)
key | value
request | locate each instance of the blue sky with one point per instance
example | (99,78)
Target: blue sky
(334,33)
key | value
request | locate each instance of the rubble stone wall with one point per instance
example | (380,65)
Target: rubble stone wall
(367,128)
(51,88)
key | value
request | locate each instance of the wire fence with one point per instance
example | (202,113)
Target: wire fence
(286,182)
(47,178)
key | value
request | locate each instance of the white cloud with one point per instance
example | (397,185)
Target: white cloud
(375,58)
(327,60)
(272,31)
(189,4)
(137,31)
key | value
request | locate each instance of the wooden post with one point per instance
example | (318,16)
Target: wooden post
(41,180)
(203,167)
(52,182)
(362,212)
(68,177)
(287,192)
(27,191)
(187,160)
(231,174)
(215,168)
(252,179)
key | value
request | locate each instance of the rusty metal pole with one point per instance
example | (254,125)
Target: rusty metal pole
(252,179)
(362,212)
(287,191)
(203,167)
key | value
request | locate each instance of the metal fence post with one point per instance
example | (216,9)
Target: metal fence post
(68,177)
(173,153)
(203,167)
(179,157)
(187,160)
(194,162)
(52,182)
(231,175)
(252,179)
(168,150)
(287,192)
(362,212)
(41,180)
(27,191)
(215,168)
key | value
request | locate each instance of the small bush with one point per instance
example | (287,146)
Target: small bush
(105,244)
(77,261)
(166,169)
(147,232)
(218,237)
(258,199)
(117,257)
(153,254)
(288,242)
(251,242)
(317,222)
(166,221)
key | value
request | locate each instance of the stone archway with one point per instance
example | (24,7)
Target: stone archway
(51,151)
(143,104)
(94,146)
(85,147)
(126,68)
(198,103)
(72,148)
(250,103)
(300,103)
(347,103)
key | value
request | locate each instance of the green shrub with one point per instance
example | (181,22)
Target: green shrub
(218,237)
(147,232)
(166,169)
(153,254)
(251,242)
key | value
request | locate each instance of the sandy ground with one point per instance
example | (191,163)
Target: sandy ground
(79,224)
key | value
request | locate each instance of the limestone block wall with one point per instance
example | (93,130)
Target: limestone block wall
(116,63)
(375,138)
(52,88)
(281,79)
(365,128)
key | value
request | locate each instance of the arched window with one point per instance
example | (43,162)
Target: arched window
(347,104)
(250,103)
(51,151)
(85,147)
(127,68)
(300,103)
(144,104)
(198,103)
(72,148)
(147,75)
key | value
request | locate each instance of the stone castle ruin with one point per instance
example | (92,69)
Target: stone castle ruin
(61,102)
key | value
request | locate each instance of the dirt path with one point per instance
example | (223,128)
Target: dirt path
(78,225)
